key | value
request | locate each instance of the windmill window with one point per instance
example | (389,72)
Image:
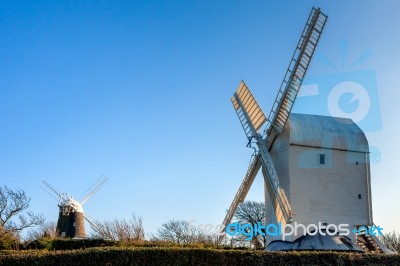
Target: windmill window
(359,196)
(322,159)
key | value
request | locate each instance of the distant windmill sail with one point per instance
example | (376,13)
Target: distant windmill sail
(94,188)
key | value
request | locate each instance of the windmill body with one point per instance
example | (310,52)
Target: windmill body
(71,220)
(323,166)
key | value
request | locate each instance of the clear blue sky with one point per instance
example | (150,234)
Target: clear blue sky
(140,91)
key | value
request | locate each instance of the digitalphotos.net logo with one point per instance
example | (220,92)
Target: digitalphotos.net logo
(347,93)
(297,229)
(282,231)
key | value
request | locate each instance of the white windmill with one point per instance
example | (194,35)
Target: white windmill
(71,216)
(315,168)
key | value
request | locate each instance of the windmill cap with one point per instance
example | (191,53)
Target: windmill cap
(70,202)
(326,132)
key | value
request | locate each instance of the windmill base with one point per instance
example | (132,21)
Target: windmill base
(326,242)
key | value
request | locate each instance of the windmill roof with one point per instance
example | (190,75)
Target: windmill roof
(326,132)
(71,203)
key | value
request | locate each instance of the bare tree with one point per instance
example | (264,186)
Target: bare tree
(14,216)
(181,232)
(391,240)
(177,231)
(121,230)
(251,212)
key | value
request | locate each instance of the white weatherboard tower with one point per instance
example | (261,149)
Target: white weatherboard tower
(315,168)
(71,217)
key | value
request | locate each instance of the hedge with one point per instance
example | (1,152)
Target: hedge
(70,244)
(188,256)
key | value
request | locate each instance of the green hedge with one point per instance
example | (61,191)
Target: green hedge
(70,244)
(188,256)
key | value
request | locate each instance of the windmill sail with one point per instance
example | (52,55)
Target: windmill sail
(94,188)
(52,191)
(244,188)
(252,118)
(248,110)
(278,197)
(295,73)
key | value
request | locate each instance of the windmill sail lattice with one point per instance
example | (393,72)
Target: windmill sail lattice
(52,191)
(94,188)
(249,112)
(296,71)
(244,188)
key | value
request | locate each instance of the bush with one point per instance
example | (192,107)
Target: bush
(8,242)
(69,244)
(43,243)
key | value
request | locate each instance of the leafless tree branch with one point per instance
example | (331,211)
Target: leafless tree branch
(121,229)
(391,240)
(14,216)
(252,212)
(181,232)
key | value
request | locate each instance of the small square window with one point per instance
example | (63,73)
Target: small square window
(322,159)
(359,196)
